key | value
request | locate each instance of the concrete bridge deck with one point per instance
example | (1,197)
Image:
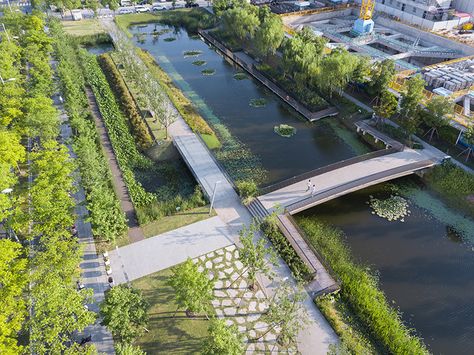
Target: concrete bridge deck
(338,182)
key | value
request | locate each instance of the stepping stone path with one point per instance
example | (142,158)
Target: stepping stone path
(237,304)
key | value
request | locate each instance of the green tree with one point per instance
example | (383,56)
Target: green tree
(12,152)
(269,35)
(128,349)
(13,280)
(256,257)
(124,312)
(286,312)
(435,115)
(223,339)
(410,105)
(41,118)
(362,70)
(337,69)
(92,5)
(382,75)
(468,137)
(241,22)
(220,6)
(387,106)
(193,289)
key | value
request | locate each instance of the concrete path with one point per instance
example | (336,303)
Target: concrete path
(134,231)
(93,274)
(345,175)
(168,249)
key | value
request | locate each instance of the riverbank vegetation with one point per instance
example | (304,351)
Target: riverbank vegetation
(454,185)
(360,290)
(156,190)
(40,264)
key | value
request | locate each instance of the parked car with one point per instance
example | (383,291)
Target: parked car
(158,8)
(126,10)
(142,8)
(192,5)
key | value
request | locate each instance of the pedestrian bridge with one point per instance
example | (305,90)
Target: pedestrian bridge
(345,177)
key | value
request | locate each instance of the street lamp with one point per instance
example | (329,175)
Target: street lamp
(213,196)
(7,191)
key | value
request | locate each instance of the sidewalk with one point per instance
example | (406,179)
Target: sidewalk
(93,274)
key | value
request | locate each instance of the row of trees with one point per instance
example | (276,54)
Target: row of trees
(106,217)
(41,215)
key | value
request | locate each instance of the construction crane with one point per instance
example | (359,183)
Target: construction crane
(364,25)
(367,9)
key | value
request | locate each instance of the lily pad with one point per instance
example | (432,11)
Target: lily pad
(260,102)
(240,76)
(199,63)
(285,130)
(195,53)
(208,72)
(169,39)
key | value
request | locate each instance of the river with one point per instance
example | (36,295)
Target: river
(424,265)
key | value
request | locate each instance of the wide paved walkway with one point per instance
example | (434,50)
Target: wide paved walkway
(338,177)
(168,249)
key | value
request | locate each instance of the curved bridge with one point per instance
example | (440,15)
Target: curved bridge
(331,184)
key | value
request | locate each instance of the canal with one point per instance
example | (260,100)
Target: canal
(224,100)
(425,263)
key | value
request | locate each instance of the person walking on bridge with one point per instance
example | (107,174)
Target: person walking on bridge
(309,185)
(313,191)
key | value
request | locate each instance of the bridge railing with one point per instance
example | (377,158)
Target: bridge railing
(325,169)
(339,189)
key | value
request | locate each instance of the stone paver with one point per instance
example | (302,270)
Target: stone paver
(168,249)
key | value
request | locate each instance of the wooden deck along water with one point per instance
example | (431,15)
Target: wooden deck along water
(365,127)
(248,64)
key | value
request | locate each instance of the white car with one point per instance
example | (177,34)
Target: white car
(142,8)
(158,8)
(126,10)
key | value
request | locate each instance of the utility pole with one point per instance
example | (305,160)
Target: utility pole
(213,196)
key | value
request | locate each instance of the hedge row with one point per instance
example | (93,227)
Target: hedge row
(361,291)
(127,103)
(181,102)
(285,250)
(106,217)
(123,143)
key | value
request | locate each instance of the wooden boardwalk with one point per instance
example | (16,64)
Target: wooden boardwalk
(248,64)
(365,127)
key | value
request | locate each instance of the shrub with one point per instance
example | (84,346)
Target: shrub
(360,289)
(247,190)
(285,250)
(454,185)
(126,101)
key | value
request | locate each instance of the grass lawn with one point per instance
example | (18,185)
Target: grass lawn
(83,27)
(178,220)
(168,334)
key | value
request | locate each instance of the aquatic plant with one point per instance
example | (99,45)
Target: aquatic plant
(240,76)
(169,39)
(260,102)
(199,63)
(194,53)
(393,208)
(285,130)
(208,72)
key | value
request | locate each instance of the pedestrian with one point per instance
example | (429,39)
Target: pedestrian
(309,185)
(313,192)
